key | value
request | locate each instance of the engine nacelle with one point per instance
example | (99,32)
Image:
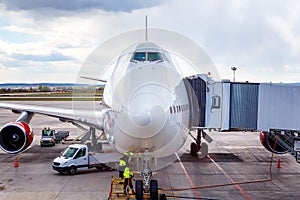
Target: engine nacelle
(15,137)
(268,141)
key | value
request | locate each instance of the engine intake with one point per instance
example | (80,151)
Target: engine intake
(268,141)
(15,137)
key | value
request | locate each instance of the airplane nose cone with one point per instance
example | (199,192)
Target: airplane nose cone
(147,124)
(154,118)
(144,117)
(142,120)
(158,117)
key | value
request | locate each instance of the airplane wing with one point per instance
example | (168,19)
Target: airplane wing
(89,118)
(17,136)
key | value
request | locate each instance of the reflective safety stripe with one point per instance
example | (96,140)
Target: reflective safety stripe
(129,154)
(127,173)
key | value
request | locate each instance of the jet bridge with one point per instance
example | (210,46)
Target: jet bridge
(270,108)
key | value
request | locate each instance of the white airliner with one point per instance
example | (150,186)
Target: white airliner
(145,112)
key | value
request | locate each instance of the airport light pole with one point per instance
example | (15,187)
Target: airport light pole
(233,69)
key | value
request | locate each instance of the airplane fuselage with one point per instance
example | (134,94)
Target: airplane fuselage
(149,104)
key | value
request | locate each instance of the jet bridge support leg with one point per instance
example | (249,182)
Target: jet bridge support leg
(94,145)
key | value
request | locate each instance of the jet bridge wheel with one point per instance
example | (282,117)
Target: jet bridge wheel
(139,189)
(194,149)
(153,190)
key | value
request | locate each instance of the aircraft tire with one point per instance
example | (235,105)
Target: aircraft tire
(203,150)
(139,189)
(193,151)
(153,190)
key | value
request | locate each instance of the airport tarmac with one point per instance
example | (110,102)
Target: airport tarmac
(235,157)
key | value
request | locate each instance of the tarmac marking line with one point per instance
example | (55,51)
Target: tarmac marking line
(196,192)
(247,196)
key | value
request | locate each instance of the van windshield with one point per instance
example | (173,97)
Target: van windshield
(47,132)
(69,152)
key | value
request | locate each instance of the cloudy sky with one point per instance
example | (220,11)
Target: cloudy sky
(48,40)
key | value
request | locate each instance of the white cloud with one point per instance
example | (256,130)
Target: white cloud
(285,31)
(25,30)
(260,38)
(112,5)
(294,69)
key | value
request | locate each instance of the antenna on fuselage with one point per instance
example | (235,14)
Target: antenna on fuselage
(146,31)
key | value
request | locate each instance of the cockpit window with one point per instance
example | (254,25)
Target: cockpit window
(146,56)
(154,56)
(139,56)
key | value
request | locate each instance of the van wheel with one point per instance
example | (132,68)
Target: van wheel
(72,170)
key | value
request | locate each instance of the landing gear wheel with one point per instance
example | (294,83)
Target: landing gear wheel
(72,170)
(153,190)
(139,189)
(203,150)
(194,149)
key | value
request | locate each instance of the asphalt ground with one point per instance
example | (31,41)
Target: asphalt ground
(237,167)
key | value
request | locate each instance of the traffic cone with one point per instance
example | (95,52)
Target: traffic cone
(278,163)
(16,164)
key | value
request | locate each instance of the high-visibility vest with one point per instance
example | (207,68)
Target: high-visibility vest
(129,154)
(122,165)
(127,173)
(122,162)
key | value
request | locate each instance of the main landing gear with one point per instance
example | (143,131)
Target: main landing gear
(199,148)
(151,188)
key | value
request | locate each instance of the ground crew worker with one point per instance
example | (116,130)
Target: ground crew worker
(128,176)
(122,165)
(128,156)
(48,131)
(44,131)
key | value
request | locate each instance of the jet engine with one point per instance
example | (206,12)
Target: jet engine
(268,141)
(15,137)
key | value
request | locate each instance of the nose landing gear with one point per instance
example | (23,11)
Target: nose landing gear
(199,148)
